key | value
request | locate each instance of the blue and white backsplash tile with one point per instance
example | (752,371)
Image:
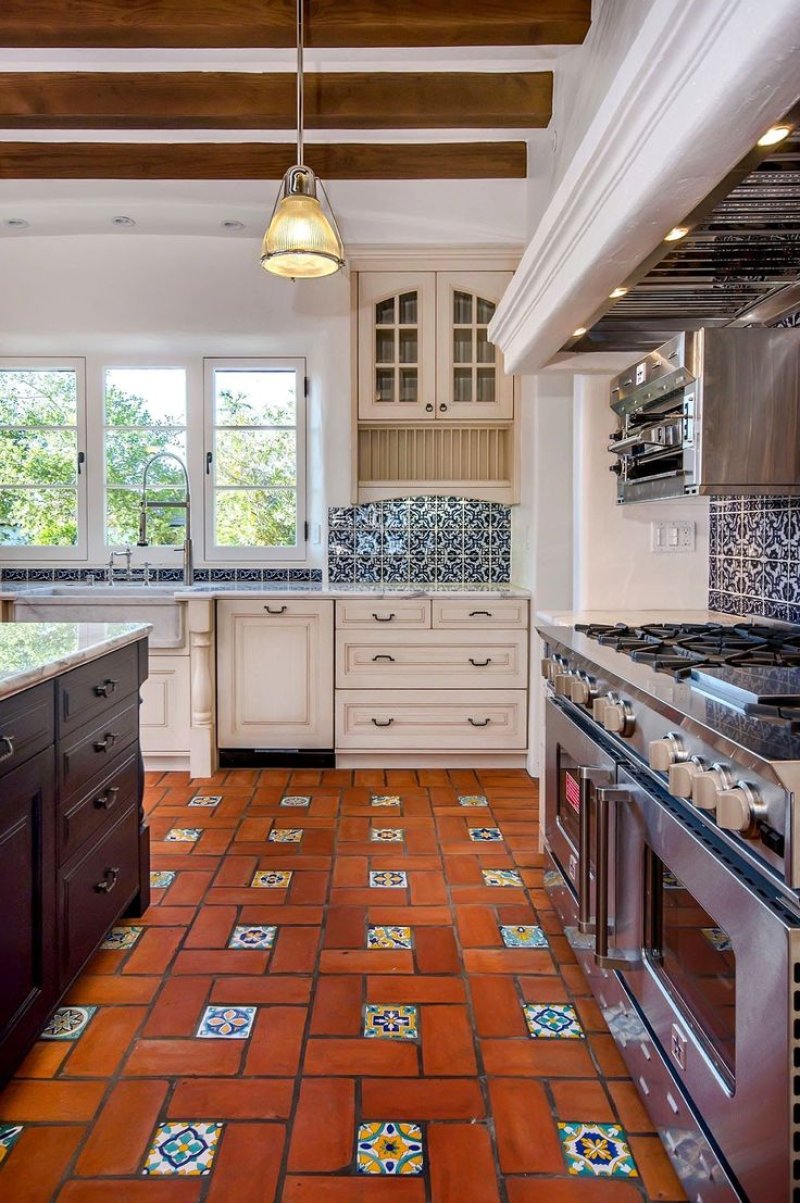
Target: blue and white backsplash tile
(201,575)
(754,563)
(419,540)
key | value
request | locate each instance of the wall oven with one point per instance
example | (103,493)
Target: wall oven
(692,956)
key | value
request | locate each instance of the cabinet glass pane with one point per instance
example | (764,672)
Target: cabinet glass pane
(408,384)
(462,385)
(462,308)
(462,346)
(485,348)
(384,384)
(408,346)
(485,311)
(408,308)
(384,346)
(384,312)
(485,384)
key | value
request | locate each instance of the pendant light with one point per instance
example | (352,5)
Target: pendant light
(301,241)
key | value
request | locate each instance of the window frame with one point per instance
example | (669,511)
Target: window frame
(214,553)
(43,553)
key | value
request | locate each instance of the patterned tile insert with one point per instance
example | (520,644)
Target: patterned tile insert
(389,937)
(120,938)
(385,1022)
(205,800)
(285,835)
(67,1023)
(754,562)
(389,1147)
(523,937)
(9,1135)
(387,879)
(485,835)
(472,800)
(183,835)
(168,575)
(226,1023)
(385,800)
(161,878)
(186,1147)
(552,1021)
(386,835)
(501,877)
(596,1150)
(271,879)
(245,936)
(296,800)
(718,938)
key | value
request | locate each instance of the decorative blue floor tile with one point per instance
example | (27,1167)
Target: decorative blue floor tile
(120,938)
(596,1150)
(472,800)
(184,1147)
(67,1023)
(205,800)
(285,835)
(485,835)
(552,879)
(387,879)
(271,879)
(183,835)
(385,1022)
(389,1147)
(718,938)
(296,800)
(501,877)
(9,1135)
(226,1023)
(253,936)
(523,937)
(552,1021)
(389,937)
(385,800)
(161,878)
(386,835)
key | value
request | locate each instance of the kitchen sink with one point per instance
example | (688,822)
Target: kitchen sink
(125,602)
(124,589)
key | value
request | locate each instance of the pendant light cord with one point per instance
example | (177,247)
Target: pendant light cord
(299,81)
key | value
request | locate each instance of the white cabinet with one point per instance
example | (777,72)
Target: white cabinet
(471,385)
(433,720)
(275,674)
(165,711)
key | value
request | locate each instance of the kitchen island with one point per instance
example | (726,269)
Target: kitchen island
(73,846)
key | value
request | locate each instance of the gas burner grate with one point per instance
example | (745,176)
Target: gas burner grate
(681,647)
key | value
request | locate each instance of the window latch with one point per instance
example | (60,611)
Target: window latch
(81,461)
(209,458)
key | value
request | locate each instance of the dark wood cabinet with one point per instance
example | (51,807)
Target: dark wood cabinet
(74,849)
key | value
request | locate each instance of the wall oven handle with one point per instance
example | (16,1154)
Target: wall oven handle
(607,797)
(586,777)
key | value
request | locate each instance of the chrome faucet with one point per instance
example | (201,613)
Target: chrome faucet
(127,553)
(186,504)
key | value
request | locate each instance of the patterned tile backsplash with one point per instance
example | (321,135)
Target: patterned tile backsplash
(201,575)
(448,540)
(754,564)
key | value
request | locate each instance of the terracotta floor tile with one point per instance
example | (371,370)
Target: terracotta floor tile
(324,1126)
(423,1098)
(44,1059)
(537,1058)
(508,960)
(308,888)
(578,1099)
(247,1165)
(360,1058)
(188,888)
(295,950)
(497,1007)
(408,989)
(337,1007)
(478,927)
(462,1165)
(154,950)
(427,889)
(232,1098)
(372,960)
(353,1190)
(527,1137)
(41,1155)
(447,1042)
(346,927)
(105,1043)
(285,915)
(250,991)
(607,1056)
(435,950)
(103,990)
(572,1190)
(118,1139)
(211,928)
(45,1102)
(178,1007)
(351,871)
(173,1058)
(276,1043)
(656,1169)
(225,960)
(630,1107)
(414,916)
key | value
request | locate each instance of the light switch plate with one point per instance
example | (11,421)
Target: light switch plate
(670,537)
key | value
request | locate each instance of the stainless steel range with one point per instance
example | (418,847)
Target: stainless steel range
(672,817)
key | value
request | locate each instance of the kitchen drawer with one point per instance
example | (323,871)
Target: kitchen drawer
(469,615)
(94,688)
(27,723)
(95,889)
(431,660)
(100,805)
(85,757)
(386,612)
(433,720)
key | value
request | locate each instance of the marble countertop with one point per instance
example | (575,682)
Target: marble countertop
(14,590)
(31,652)
(632,618)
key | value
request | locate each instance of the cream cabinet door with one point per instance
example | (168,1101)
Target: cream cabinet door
(471,384)
(275,674)
(165,710)
(397,346)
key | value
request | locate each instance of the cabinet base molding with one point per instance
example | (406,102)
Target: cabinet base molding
(431,760)
(177,762)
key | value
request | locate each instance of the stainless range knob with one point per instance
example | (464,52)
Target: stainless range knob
(582,691)
(737,809)
(707,787)
(599,707)
(618,718)
(663,753)
(562,682)
(682,776)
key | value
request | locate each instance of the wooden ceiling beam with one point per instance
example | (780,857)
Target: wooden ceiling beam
(260,161)
(328,23)
(244,100)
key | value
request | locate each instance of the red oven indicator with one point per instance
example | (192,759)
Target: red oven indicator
(573,792)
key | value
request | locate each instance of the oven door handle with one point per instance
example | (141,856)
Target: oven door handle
(586,778)
(606,798)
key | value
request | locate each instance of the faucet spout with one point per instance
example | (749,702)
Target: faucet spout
(145,506)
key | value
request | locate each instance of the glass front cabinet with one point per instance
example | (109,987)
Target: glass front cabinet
(424,352)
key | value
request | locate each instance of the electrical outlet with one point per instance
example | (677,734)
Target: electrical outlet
(672,536)
(315,532)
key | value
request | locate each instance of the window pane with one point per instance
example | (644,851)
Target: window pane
(38,457)
(257,457)
(122,518)
(145,396)
(38,397)
(39,517)
(256,518)
(127,453)
(254,398)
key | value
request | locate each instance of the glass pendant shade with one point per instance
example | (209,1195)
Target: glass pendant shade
(301,242)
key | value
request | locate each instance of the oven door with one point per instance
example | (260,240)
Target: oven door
(715,984)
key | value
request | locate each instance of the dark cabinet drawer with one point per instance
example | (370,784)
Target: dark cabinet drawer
(95,888)
(93,689)
(86,756)
(26,725)
(100,805)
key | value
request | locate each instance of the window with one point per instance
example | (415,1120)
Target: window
(145,413)
(255,459)
(42,483)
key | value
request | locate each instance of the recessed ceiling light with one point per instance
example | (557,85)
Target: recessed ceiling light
(676,233)
(17,223)
(774,135)
(618,292)
(577,333)
(122,221)
(232,225)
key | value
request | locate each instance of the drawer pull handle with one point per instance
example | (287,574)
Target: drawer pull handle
(383,656)
(106,689)
(480,663)
(106,800)
(105,745)
(383,617)
(109,881)
(277,610)
(7,743)
(480,614)
(376,722)
(484,722)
